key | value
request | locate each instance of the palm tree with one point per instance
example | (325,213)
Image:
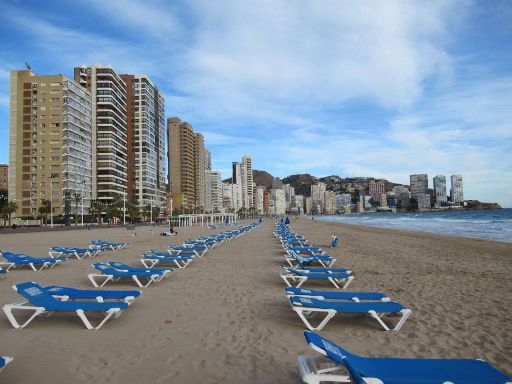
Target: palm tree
(114,208)
(77,198)
(9,209)
(133,209)
(146,211)
(96,209)
(44,210)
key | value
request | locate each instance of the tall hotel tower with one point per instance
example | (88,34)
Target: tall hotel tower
(440,190)
(188,163)
(146,141)
(50,141)
(457,191)
(109,130)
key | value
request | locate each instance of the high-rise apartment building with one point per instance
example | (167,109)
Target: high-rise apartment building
(146,141)
(289,192)
(440,190)
(236,180)
(317,197)
(4,176)
(419,185)
(188,162)
(249,182)
(214,191)
(457,190)
(50,142)
(201,160)
(109,130)
(277,202)
(181,152)
(258,199)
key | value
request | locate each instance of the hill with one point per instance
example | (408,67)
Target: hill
(259,177)
(301,182)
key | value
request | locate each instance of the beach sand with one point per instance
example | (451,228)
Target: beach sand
(225,318)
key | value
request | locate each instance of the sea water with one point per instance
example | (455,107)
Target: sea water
(494,224)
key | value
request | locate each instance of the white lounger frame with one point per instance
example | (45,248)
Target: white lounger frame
(290,278)
(41,311)
(34,267)
(305,312)
(106,278)
(324,263)
(7,360)
(150,263)
(90,253)
(311,373)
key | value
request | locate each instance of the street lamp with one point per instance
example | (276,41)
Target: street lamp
(83,192)
(51,202)
(124,208)
(151,213)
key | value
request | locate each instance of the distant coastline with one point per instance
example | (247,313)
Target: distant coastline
(491,224)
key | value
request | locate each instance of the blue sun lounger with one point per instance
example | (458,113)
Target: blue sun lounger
(307,268)
(78,253)
(324,260)
(3,273)
(19,260)
(4,360)
(123,266)
(336,295)
(197,250)
(365,370)
(109,273)
(299,277)
(66,293)
(107,245)
(42,303)
(149,260)
(305,306)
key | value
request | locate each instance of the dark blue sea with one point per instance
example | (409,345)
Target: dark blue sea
(493,224)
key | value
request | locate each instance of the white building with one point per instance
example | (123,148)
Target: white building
(343,201)
(297,205)
(423,201)
(457,191)
(227,197)
(259,197)
(277,202)
(440,190)
(317,197)
(329,202)
(308,205)
(214,192)
(289,192)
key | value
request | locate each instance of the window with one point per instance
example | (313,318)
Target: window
(55,108)
(55,99)
(55,84)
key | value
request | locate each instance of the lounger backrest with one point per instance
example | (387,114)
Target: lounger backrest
(34,293)
(104,268)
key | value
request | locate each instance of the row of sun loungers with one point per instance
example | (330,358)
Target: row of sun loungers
(307,303)
(58,255)
(43,301)
(336,364)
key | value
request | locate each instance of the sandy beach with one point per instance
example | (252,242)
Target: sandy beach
(225,318)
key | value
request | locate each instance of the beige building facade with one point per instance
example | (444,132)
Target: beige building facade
(50,142)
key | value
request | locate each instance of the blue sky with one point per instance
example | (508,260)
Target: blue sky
(370,88)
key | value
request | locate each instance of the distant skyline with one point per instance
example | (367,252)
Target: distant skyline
(379,89)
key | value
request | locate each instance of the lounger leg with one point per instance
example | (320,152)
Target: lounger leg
(92,277)
(329,314)
(87,323)
(149,263)
(405,315)
(10,307)
(150,280)
(6,265)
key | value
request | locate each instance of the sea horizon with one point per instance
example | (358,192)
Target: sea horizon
(489,224)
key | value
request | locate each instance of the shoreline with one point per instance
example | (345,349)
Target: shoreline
(325,219)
